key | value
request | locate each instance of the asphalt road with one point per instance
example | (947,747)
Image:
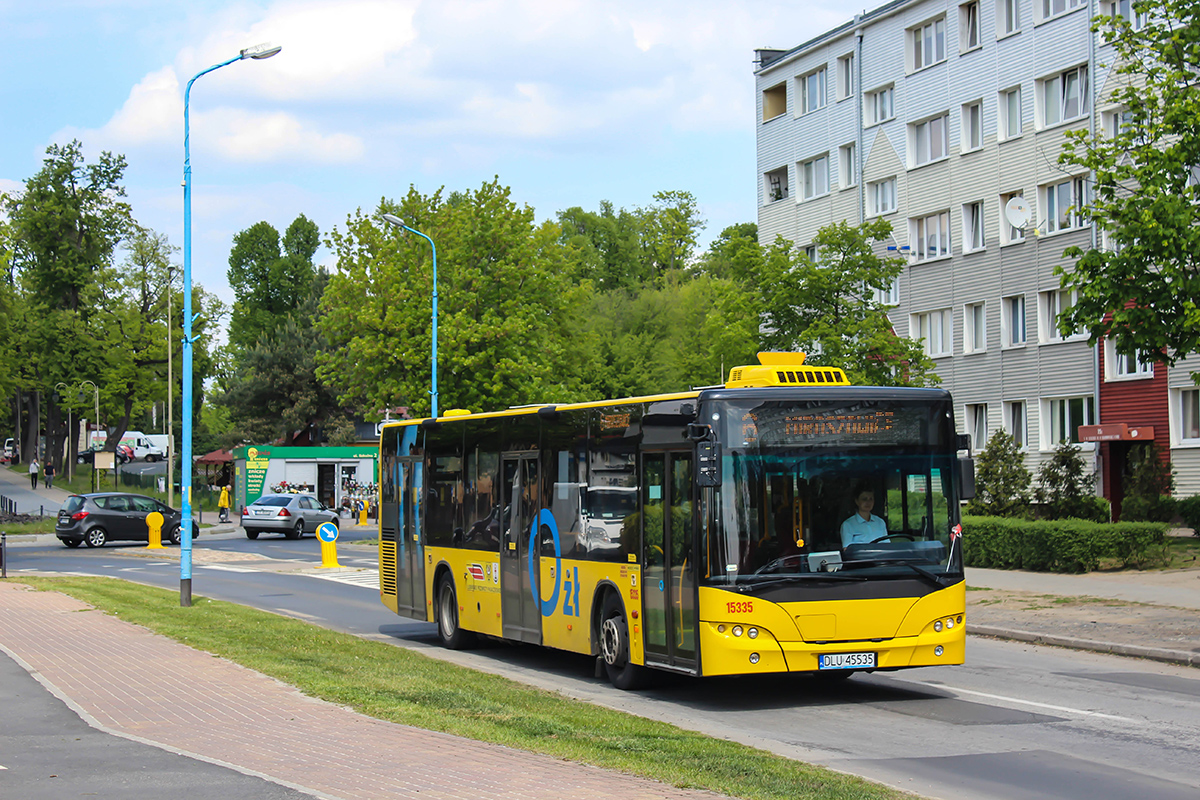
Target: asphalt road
(1017,721)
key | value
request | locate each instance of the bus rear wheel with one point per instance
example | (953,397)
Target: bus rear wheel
(453,637)
(614,646)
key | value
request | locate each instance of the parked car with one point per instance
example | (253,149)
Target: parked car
(293,515)
(94,519)
(10,451)
(124,454)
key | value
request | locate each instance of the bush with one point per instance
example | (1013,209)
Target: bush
(1160,508)
(1001,480)
(1189,510)
(1071,545)
(1149,486)
(1066,485)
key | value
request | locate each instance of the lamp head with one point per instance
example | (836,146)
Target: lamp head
(392,219)
(261,51)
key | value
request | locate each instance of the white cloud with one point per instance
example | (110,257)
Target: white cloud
(250,136)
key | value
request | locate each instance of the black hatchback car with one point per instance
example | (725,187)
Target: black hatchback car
(110,516)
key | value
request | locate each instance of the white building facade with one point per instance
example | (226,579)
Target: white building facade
(933,115)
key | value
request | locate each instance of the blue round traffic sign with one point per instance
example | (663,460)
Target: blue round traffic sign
(327,532)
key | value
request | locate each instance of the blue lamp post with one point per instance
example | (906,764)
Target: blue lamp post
(392,219)
(260,51)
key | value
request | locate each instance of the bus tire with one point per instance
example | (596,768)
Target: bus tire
(453,637)
(614,646)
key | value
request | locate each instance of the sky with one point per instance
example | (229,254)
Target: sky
(569,103)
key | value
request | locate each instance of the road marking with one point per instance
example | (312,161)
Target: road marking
(368,578)
(223,568)
(1047,706)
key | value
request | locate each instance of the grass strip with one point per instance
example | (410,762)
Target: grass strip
(399,685)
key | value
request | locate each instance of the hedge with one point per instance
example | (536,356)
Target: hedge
(1069,545)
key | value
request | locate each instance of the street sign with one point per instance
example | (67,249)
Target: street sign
(327,532)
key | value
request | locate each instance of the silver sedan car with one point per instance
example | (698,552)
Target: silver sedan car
(293,515)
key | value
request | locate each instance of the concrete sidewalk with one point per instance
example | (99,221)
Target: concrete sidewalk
(125,680)
(15,486)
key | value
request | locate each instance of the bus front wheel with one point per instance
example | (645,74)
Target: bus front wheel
(614,646)
(452,636)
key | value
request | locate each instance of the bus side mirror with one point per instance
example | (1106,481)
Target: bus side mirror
(708,459)
(966,472)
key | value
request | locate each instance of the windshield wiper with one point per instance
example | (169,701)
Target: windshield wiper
(803,578)
(932,577)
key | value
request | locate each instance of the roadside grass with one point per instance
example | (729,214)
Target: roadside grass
(1182,551)
(42,525)
(399,685)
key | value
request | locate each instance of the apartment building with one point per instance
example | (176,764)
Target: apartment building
(935,115)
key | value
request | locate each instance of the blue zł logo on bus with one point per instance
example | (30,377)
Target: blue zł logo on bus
(569,590)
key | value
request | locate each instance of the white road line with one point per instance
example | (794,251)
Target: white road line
(223,568)
(368,578)
(1047,706)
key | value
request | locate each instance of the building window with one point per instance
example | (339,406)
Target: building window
(927,44)
(1012,321)
(1014,421)
(847,168)
(1064,97)
(1189,408)
(1052,8)
(974,328)
(1009,234)
(774,101)
(881,105)
(1051,305)
(881,196)
(845,76)
(1115,122)
(930,236)
(972,126)
(977,424)
(930,139)
(968,26)
(813,253)
(776,184)
(812,91)
(973,238)
(1011,120)
(1008,17)
(814,177)
(1062,202)
(889,296)
(933,329)
(1066,415)
(1125,365)
(1124,9)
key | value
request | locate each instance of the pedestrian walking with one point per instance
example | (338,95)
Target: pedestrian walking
(223,504)
(49,473)
(33,472)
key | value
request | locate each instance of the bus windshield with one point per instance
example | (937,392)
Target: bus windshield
(828,491)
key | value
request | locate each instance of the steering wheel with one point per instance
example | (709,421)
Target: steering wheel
(886,537)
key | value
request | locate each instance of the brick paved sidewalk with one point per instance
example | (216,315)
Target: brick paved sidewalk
(126,680)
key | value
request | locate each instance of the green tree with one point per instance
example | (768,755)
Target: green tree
(1066,485)
(270,282)
(735,254)
(1001,479)
(1144,291)
(828,308)
(507,306)
(1149,486)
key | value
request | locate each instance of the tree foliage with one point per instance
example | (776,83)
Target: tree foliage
(1066,486)
(1001,479)
(1144,291)
(828,309)
(270,281)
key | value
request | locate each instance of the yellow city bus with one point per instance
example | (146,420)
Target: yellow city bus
(698,532)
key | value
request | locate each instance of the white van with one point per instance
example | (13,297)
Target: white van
(160,440)
(143,448)
(10,451)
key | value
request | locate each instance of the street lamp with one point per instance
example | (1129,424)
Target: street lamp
(395,221)
(257,52)
(96,422)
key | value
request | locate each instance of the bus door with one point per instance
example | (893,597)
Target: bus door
(668,564)
(410,571)
(521,609)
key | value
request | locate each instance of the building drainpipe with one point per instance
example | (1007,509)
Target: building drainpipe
(860,153)
(1093,82)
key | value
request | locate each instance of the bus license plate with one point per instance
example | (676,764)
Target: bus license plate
(846,661)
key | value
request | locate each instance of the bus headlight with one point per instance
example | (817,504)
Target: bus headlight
(937,651)
(754,658)
(937,626)
(737,630)
(950,623)
(720,629)
(752,633)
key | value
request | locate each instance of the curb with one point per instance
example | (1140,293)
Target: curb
(1132,650)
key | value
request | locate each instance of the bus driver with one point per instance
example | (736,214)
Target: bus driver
(863,527)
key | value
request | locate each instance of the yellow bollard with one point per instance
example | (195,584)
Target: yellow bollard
(327,534)
(362,516)
(154,521)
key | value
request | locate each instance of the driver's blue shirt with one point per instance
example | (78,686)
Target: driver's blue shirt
(857,530)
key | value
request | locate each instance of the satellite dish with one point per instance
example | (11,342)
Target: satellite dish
(1016,211)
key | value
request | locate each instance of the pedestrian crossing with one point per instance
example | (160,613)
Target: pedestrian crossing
(358,577)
